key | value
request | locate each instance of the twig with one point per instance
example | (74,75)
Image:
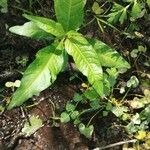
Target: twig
(116,144)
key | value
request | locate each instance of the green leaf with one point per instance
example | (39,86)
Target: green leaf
(64,117)
(115,14)
(69,13)
(134,53)
(107,84)
(132,128)
(95,104)
(91,94)
(123,16)
(29,29)
(86,131)
(145,114)
(105,113)
(40,74)
(133,82)
(119,110)
(113,74)
(114,17)
(116,7)
(142,48)
(108,57)
(33,126)
(96,8)
(86,60)
(74,115)
(70,107)
(136,119)
(47,25)
(136,9)
(109,106)
(77,97)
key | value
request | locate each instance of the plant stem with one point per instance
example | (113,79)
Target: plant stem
(93,117)
(117,144)
(108,24)
(125,95)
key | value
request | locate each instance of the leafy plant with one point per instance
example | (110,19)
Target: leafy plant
(119,13)
(73,114)
(89,55)
(138,121)
(125,12)
(118,109)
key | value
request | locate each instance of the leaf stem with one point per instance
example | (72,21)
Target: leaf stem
(125,95)
(117,144)
(93,117)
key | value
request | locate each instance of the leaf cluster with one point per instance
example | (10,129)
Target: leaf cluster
(89,55)
(134,9)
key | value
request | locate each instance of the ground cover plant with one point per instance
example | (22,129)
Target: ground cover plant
(77,92)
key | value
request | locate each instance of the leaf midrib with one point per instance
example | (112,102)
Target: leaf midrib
(70,2)
(91,69)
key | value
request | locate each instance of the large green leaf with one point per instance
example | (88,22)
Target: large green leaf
(108,57)
(86,59)
(69,13)
(47,25)
(29,29)
(40,74)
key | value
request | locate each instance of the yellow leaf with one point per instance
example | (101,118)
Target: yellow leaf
(141,135)
(9,84)
(84,85)
(147,144)
(17,83)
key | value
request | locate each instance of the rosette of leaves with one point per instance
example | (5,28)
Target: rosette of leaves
(89,55)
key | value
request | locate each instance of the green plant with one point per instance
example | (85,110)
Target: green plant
(118,109)
(137,121)
(141,119)
(73,114)
(89,55)
(134,9)
(125,12)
